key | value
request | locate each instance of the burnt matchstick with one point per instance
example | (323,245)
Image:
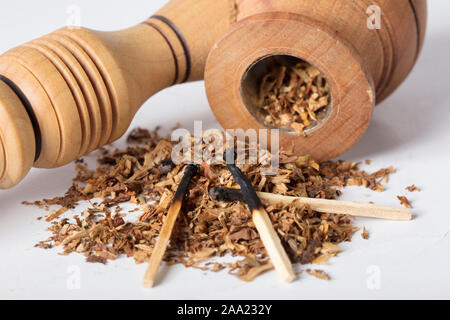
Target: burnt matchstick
(226,194)
(169,223)
(350,208)
(261,219)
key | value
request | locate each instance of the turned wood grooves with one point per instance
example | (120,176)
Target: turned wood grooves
(93,85)
(100,80)
(82,88)
(384,37)
(384,83)
(31,115)
(74,90)
(86,112)
(80,83)
(61,99)
(17,138)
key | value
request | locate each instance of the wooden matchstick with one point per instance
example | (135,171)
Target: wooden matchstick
(356,209)
(169,223)
(269,236)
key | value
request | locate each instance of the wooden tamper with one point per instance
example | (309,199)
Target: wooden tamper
(75,90)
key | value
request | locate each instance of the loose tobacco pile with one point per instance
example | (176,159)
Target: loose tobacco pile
(293,97)
(144,175)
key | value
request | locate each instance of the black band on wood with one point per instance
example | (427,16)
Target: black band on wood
(183,43)
(30,112)
(174,55)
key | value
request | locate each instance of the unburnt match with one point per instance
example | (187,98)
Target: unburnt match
(169,223)
(320,205)
(261,219)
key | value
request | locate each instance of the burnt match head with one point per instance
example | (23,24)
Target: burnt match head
(190,171)
(248,192)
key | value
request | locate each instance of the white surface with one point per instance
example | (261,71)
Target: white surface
(410,130)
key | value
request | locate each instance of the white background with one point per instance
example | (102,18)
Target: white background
(410,130)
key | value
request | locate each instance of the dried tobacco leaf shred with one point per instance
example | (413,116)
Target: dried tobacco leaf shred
(293,97)
(413,188)
(143,176)
(404,201)
(365,234)
(319,274)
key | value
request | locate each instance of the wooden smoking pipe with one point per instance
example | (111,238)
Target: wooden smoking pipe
(75,90)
